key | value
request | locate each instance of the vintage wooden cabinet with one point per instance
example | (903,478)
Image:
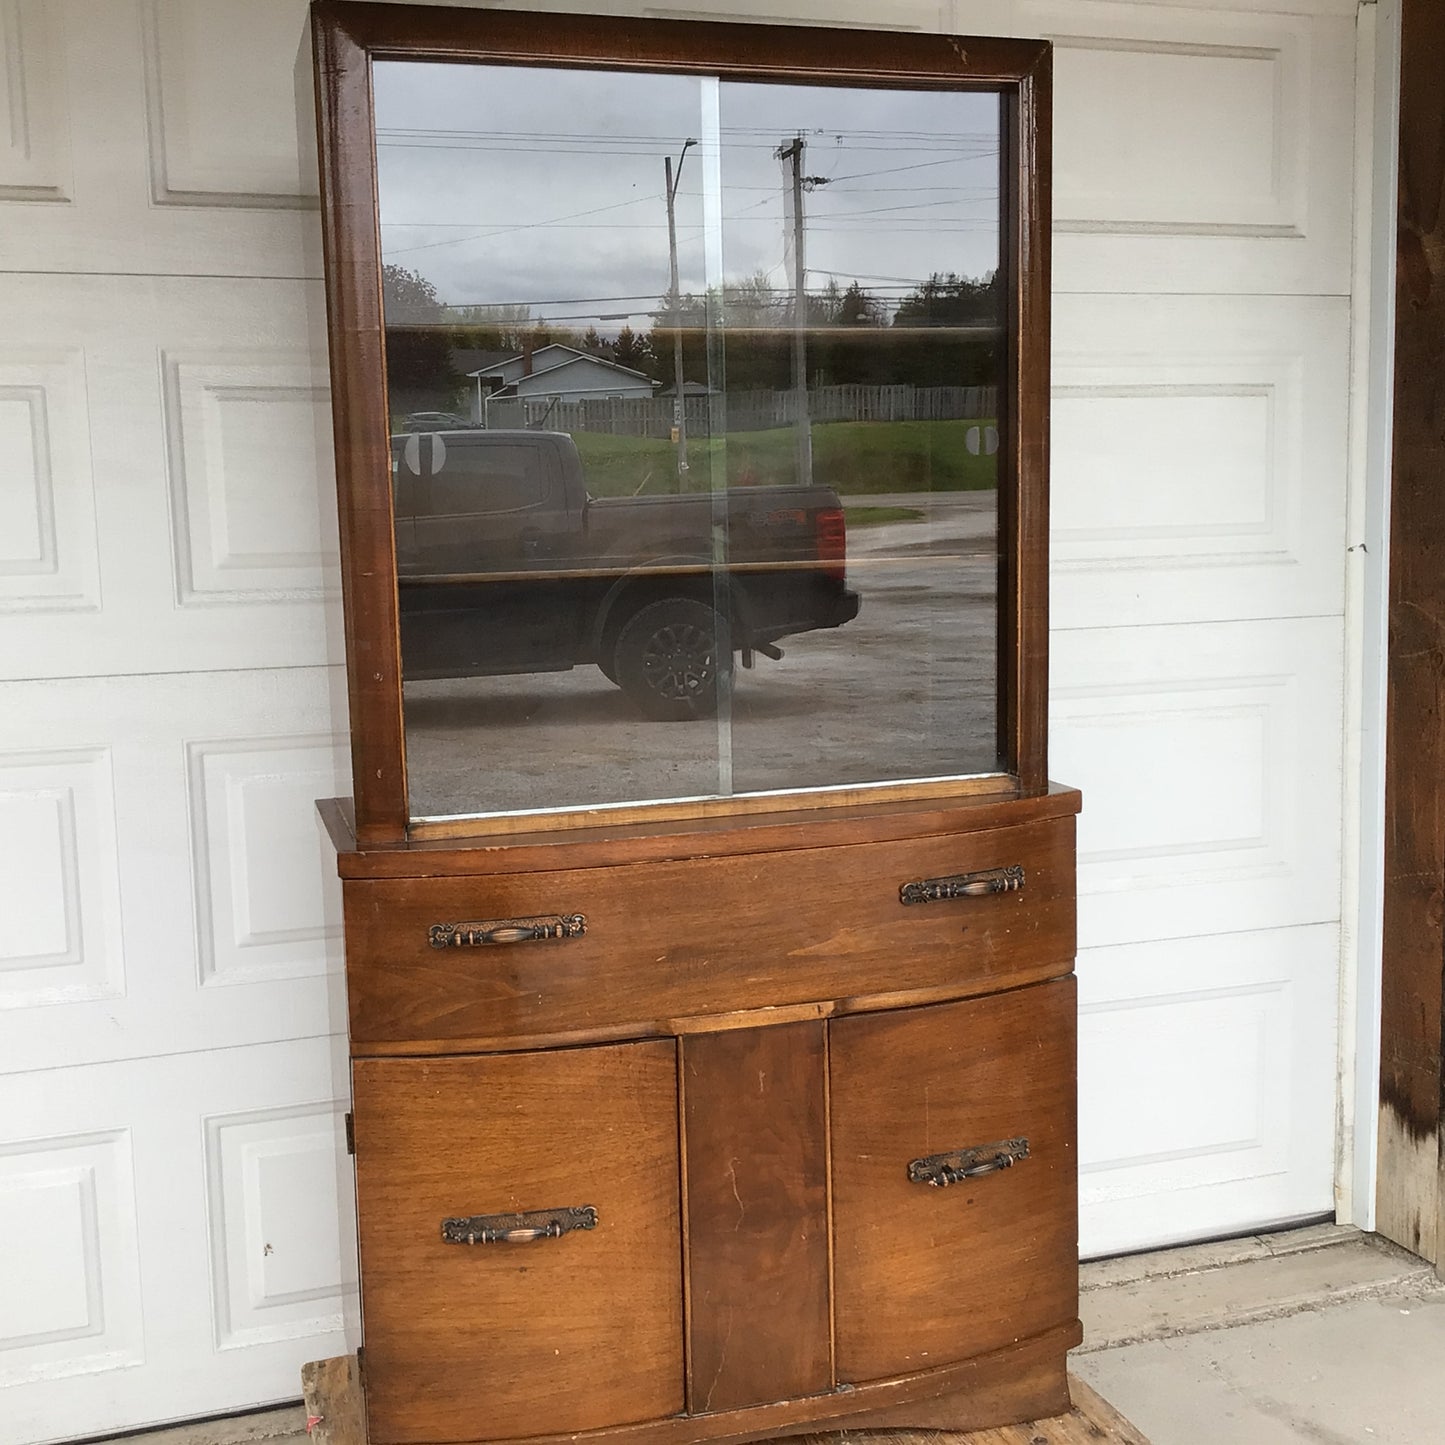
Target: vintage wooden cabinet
(711,1010)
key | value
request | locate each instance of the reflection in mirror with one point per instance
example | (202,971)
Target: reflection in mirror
(694,394)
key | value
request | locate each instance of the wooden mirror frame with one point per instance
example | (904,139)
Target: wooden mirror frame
(348,37)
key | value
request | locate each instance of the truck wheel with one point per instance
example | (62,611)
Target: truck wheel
(667,659)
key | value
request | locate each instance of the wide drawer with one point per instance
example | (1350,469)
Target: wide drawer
(672,941)
(479,1338)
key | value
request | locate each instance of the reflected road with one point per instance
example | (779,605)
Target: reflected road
(906,690)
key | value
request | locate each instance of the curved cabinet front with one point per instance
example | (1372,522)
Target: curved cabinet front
(955,1220)
(781,1139)
(703,935)
(484,1326)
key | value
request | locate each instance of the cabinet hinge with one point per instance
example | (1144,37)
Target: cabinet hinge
(350,1134)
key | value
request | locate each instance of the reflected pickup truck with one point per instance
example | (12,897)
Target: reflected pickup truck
(505,564)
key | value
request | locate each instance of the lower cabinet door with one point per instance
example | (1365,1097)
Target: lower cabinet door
(481,1325)
(942,1251)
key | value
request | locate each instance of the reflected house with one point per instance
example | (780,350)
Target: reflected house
(555,373)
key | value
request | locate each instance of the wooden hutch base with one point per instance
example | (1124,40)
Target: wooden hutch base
(720,1130)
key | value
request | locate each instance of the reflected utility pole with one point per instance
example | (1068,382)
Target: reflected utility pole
(679,406)
(791,154)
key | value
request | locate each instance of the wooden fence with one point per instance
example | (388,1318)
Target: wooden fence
(744,411)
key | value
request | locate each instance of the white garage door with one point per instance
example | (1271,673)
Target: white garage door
(169,1002)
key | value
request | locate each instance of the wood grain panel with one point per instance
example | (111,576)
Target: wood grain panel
(1412,1077)
(755,1135)
(701,836)
(1025,1382)
(1024,486)
(332,1393)
(925,1275)
(680,939)
(350,229)
(463,1342)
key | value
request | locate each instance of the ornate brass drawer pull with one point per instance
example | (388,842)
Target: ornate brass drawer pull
(506,930)
(518,1228)
(941,1170)
(963,885)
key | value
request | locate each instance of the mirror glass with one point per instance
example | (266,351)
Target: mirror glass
(694,391)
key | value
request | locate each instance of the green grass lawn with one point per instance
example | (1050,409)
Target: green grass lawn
(855,458)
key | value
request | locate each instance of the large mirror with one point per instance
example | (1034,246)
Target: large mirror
(695,390)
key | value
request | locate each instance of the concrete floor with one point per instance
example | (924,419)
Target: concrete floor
(1317,1336)
(1322,1336)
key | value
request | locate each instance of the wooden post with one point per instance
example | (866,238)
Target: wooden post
(1411,1205)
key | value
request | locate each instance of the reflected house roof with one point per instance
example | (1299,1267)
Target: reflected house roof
(470,360)
(546,358)
(546,375)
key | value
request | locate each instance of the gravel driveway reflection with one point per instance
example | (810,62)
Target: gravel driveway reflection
(905,690)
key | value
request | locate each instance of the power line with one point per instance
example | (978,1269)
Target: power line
(525,226)
(889,170)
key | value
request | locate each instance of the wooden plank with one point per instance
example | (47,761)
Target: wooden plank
(332,1391)
(757,1215)
(350,228)
(1412,1141)
(1092,1421)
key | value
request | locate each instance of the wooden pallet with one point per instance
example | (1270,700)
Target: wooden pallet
(332,1391)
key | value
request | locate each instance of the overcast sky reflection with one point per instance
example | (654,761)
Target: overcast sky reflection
(511,185)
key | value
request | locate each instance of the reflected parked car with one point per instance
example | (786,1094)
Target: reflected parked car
(506,564)
(437,421)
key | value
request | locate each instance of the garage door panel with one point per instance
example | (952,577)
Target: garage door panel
(59,879)
(35,162)
(1224,151)
(249,463)
(175,507)
(205,64)
(1203,1064)
(68,1216)
(167,883)
(224,1176)
(49,557)
(126,155)
(1210,761)
(1200,151)
(274,1245)
(264,877)
(1199,453)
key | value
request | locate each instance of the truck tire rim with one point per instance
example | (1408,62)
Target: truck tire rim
(678,661)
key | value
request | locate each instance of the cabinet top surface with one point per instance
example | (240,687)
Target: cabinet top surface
(610,846)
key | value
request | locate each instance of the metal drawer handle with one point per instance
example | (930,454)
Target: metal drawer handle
(963,885)
(941,1170)
(518,1228)
(506,930)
